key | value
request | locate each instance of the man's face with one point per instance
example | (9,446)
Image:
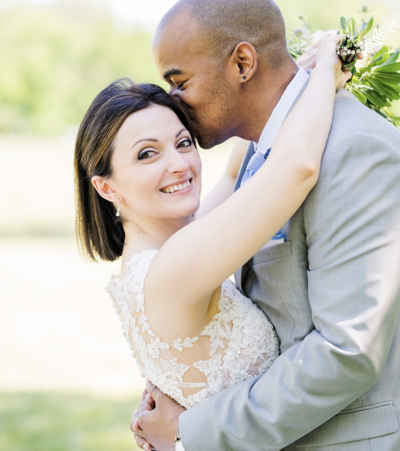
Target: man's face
(198,79)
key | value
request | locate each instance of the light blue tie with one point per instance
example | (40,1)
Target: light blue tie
(255,163)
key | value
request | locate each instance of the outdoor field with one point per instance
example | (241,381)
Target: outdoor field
(67,379)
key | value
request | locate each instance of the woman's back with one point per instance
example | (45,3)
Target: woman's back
(238,343)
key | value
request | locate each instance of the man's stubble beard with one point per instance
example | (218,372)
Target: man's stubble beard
(211,135)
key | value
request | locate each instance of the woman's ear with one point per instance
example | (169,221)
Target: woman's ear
(243,63)
(104,188)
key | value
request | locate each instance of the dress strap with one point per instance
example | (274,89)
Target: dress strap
(190,384)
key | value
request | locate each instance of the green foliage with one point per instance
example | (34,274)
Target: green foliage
(301,38)
(376,79)
(56,59)
(59,422)
(378,84)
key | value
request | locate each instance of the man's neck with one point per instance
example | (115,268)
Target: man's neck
(269,91)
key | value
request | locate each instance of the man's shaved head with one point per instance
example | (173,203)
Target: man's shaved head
(222,24)
(224,59)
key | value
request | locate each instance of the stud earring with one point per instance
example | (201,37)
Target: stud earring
(245,78)
(118,214)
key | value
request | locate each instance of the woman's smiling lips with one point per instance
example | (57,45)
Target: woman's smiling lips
(178,188)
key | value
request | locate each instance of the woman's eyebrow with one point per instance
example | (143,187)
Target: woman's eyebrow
(145,140)
(183,130)
(155,140)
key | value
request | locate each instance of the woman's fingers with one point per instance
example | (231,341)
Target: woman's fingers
(348,75)
(307,60)
(338,38)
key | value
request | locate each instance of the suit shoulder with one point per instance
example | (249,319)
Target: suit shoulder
(360,140)
(350,116)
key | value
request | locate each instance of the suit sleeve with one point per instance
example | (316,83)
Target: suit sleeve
(352,223)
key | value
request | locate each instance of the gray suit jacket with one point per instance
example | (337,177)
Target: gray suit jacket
(333,293)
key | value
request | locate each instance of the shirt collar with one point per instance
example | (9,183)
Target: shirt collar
(280,112)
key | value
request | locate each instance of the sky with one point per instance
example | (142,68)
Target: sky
(146,13)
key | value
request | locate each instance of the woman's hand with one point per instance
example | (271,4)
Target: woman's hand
(327,57)
(309,59)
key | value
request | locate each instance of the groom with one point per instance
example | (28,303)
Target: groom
(330,284)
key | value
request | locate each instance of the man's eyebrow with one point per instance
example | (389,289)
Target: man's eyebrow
(172,72)
(145,140)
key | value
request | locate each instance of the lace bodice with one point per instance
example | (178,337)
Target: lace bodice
(238,343)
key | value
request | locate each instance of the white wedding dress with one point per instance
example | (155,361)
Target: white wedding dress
(237,344)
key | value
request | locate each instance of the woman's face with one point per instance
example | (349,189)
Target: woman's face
(156,167)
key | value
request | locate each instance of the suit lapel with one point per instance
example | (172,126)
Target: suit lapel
(249,153)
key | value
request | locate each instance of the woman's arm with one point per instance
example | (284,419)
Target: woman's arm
(198,258)
(224,188)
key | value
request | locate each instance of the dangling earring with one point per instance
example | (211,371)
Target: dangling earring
(118,214)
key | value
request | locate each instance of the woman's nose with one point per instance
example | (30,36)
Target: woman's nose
(178,163)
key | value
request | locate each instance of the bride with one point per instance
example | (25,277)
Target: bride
(138,183)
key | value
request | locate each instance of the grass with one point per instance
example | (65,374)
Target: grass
(63,422)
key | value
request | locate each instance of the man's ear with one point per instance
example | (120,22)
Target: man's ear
(243,63)
(104,188)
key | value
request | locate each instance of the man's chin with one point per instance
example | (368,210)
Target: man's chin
(208,142)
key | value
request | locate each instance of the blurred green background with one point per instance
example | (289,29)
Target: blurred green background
(66,379)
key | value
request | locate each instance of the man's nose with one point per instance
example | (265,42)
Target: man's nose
(173,91)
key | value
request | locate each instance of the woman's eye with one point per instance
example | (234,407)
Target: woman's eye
(146,154)
(185,143)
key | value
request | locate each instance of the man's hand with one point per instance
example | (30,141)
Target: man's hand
(147,404)
(155,424)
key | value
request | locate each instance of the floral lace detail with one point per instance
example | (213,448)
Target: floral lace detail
(240,340)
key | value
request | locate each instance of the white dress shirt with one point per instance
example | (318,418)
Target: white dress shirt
(280,112)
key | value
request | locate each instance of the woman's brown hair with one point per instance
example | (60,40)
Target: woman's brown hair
(100,234)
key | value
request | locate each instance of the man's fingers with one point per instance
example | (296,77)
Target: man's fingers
(149,401)
(153,391)
(147,405)
(142,443)
(139,432)
(134,422)
(135,426)
(144,394)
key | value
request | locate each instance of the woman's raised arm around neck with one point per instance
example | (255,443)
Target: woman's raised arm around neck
(198,258)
